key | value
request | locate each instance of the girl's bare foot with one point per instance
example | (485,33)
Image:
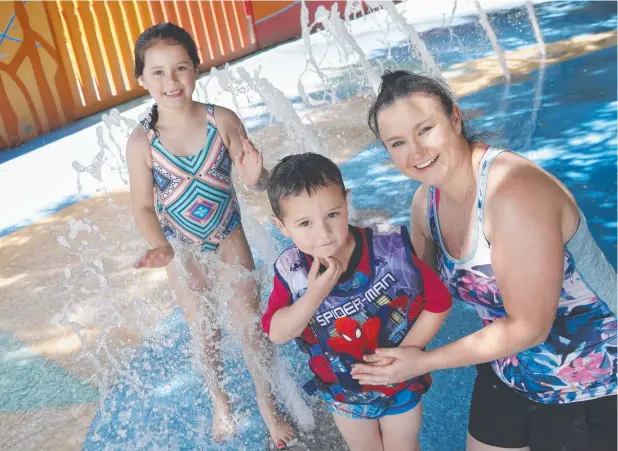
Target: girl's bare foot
(223,426)
(280,431)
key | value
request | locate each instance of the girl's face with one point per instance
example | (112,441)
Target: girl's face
(169,74)
(425,144)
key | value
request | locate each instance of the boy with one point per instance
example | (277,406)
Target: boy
(343,291)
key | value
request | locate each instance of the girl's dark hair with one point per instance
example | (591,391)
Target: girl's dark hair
(171,34)
(400,84)
(300,173)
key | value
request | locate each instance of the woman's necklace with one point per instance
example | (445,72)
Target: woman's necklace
(459,238)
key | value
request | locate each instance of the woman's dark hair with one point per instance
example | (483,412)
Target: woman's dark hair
(170,34)
(400,84)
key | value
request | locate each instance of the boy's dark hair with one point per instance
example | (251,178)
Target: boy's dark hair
(301,173)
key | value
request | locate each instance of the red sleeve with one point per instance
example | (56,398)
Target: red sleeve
(280,297)
(437,297)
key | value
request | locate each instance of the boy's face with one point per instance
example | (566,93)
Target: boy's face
(317,223)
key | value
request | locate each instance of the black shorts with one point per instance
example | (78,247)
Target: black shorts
(501,417)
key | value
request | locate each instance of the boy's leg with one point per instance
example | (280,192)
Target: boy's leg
(400,432)
(244,308)
(205,341)
(360,434)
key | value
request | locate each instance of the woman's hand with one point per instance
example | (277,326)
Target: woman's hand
(406,362)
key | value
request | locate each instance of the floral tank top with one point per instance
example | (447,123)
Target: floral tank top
(577,361)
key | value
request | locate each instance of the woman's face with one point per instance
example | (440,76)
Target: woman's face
(425,143)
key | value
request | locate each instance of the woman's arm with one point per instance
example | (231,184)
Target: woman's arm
(423,245)
(527,256)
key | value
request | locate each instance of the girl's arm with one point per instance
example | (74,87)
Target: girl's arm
(142,201)
(248,162)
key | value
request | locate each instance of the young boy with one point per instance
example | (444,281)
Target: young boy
(343,291)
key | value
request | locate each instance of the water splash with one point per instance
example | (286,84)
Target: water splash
(536,104)
(201,89)
(229,83)
(352,9)
(110,152)
(303,138)
(429,64)
(311,62)
(333,24)
(494,40)
(536,28)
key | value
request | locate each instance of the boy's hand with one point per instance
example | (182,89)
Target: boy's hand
(156,258)
(249,163)
(321,285)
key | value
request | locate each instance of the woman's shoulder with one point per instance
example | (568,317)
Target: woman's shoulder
(515,183)
(419,200)
(418,213)
(513,174)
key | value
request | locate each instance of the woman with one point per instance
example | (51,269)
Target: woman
(509,239)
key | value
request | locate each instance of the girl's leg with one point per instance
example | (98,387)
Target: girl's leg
(237,277)
(400,432)
(360,435)
(205,341)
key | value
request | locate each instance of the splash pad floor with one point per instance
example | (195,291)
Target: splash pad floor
(50,397)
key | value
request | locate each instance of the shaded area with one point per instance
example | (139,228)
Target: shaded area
(461,42)
(30,381)
(574,133)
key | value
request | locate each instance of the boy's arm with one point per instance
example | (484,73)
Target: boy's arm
(424,329)
(437,306)
(284,320)
(289,322)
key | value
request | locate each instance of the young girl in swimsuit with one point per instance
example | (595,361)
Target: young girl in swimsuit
(184,153)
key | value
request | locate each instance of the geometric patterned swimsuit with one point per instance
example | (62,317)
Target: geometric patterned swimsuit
(578,359)
(196,202)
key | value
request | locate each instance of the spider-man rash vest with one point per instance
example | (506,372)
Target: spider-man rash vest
(373,308)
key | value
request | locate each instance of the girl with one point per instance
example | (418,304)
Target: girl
(184,153)
(509,239)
